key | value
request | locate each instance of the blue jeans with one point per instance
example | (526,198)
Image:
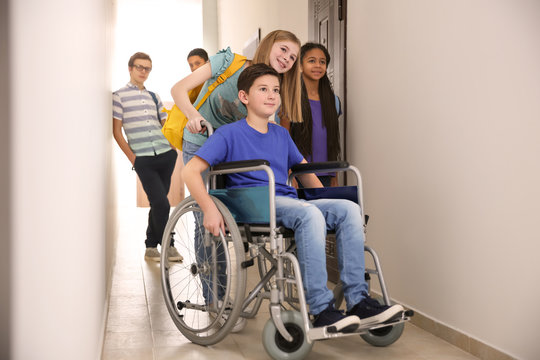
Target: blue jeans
(204,254)
(310,220)
(188,150)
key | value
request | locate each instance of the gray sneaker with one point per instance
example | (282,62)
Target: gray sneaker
(240,322)
(152,253)
(173,254)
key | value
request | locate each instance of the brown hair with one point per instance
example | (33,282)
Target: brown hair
(198,52)
(291,88)
(138,55)
(252,73)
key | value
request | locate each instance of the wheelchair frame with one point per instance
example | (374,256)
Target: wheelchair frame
(268,244)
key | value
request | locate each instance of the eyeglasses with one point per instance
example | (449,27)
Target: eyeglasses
(141,68)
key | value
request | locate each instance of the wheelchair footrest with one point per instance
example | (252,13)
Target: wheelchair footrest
(398,318)
(330,331)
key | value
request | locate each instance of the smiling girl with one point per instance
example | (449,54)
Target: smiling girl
(317,137)
(279,49)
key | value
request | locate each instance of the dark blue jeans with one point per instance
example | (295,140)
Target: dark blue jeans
(155,175)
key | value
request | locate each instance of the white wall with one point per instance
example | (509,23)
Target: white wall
(60,151)
(239,19)
(444,123)
(167,30)
(210,26)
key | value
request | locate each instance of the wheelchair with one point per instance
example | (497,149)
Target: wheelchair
(206,293)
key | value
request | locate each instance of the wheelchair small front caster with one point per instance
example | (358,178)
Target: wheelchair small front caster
(384,336)
(279,348)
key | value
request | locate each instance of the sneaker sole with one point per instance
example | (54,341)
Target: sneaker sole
(238,326)
(177,258)
(152,259)
(384,316)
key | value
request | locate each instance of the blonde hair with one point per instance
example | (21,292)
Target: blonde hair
(291,88)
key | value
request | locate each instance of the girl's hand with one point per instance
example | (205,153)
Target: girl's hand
(194,125)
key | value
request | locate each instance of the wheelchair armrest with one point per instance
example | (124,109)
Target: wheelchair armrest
(239,164)
(319,166)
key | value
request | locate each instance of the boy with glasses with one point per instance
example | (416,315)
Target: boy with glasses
(138,111)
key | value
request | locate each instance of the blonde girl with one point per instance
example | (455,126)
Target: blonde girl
(280,49)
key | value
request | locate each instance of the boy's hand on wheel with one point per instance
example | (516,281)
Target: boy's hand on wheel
(213,221)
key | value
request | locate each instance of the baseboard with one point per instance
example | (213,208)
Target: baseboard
(101,342)
(457,338)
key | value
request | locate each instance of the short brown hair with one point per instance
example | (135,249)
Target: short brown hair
(138,55)
(252,73)
(198,52)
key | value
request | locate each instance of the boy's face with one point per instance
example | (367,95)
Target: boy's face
(195,62)
(140,70)
(263,97)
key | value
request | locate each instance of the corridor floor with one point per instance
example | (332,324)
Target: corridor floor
(139,327)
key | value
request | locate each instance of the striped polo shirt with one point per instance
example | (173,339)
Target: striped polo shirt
(137,110)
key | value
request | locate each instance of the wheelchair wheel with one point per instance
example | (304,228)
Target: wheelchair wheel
(204,293)
(279,348)
(383,336)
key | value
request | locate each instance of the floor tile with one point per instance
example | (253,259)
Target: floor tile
(128,340)
(128,323)
(128,354)
(139,325)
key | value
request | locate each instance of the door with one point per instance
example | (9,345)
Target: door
(327,26)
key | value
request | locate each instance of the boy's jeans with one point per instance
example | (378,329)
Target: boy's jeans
(310,220)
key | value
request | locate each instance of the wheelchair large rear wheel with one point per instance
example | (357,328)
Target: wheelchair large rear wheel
(204,292)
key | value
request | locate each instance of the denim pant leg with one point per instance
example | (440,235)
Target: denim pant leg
(204,253)
(309,226)
(344,217)
(188,150)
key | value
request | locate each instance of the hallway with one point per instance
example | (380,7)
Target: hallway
(139,327)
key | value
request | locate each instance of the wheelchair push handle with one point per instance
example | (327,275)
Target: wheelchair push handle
(208,126)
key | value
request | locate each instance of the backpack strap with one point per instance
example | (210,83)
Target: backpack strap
(157,104)
(236,64)
(338,105)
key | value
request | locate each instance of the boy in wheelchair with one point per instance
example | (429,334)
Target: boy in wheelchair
(255,138)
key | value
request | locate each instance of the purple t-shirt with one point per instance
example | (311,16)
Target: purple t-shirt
(318,137)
